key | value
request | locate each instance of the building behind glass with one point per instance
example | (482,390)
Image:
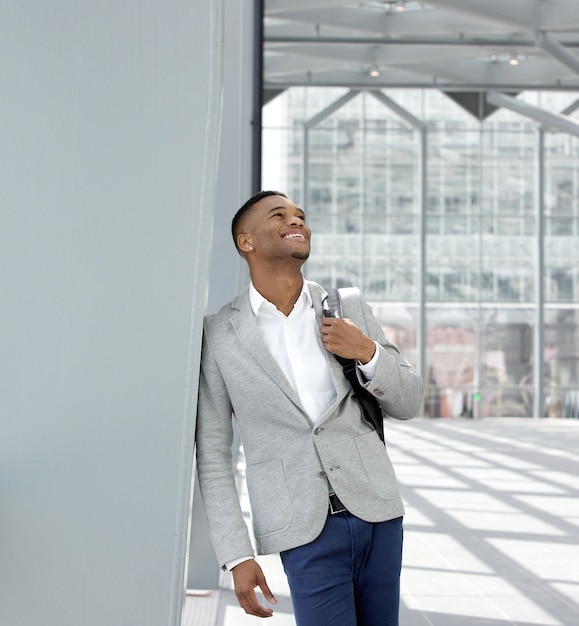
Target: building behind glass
(467,248)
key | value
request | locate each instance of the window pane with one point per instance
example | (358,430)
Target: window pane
(507,377)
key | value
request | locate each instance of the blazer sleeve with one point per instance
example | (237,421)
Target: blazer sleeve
(214,438)
(396,385)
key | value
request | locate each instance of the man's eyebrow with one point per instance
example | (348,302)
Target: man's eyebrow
(284,207)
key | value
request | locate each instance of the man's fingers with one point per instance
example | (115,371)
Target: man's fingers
(342,337)
(267,594)
(250,604)
(246,577)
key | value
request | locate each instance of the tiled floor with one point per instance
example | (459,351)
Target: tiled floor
(491,527)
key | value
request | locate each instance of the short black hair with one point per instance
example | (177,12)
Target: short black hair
(247,206)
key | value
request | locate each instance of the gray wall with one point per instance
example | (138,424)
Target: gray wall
(110,121)
(228,273)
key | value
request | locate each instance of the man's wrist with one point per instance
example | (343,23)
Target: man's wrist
(369,355)
(231,564)
(369,369)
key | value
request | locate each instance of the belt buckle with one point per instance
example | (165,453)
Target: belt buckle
(335,505)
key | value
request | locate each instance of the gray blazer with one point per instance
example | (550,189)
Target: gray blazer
(289,461)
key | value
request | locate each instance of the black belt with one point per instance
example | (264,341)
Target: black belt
(335,505)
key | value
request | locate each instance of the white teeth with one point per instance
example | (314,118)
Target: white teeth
(294,235)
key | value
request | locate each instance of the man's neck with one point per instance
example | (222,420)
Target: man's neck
(282,290)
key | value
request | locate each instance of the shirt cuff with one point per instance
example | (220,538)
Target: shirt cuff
(369,369)
(231,564)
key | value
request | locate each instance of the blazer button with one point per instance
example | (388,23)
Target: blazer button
(377,392)
(323,474)
(317,431)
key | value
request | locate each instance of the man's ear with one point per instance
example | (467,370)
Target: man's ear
(244,242)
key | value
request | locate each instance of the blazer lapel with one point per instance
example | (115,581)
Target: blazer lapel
(245,326)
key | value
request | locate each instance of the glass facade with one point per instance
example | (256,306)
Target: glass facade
(439,222)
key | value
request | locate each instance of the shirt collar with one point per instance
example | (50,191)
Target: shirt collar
(257,300)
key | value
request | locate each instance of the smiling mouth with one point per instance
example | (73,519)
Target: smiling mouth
(295,236)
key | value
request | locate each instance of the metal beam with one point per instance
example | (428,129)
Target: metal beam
(400,111)
(539,330)
(549,120)
(557,51)
(428,83)
(413,41)
(332,108)
(421,339)
(443,72)
(569,110)
(361,55)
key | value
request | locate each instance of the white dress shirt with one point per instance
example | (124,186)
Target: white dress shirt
(296,345)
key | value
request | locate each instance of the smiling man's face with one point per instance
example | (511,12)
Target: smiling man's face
(275,228)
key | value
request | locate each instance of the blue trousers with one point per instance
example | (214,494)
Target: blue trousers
(349,575)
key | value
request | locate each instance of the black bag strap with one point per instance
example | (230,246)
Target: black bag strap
(370,407)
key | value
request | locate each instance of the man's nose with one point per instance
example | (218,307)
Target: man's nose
(296,220)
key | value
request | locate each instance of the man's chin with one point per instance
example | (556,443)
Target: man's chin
(302,256)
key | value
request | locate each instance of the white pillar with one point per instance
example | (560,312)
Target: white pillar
(110,125)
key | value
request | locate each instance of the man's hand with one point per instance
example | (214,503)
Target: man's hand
(246,577)
(342,337)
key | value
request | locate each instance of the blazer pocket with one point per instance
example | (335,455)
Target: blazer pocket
(270,498)
(377,465)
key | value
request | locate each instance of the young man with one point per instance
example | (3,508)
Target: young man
(321,487)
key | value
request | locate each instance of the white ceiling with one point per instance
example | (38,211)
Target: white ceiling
(452,45)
